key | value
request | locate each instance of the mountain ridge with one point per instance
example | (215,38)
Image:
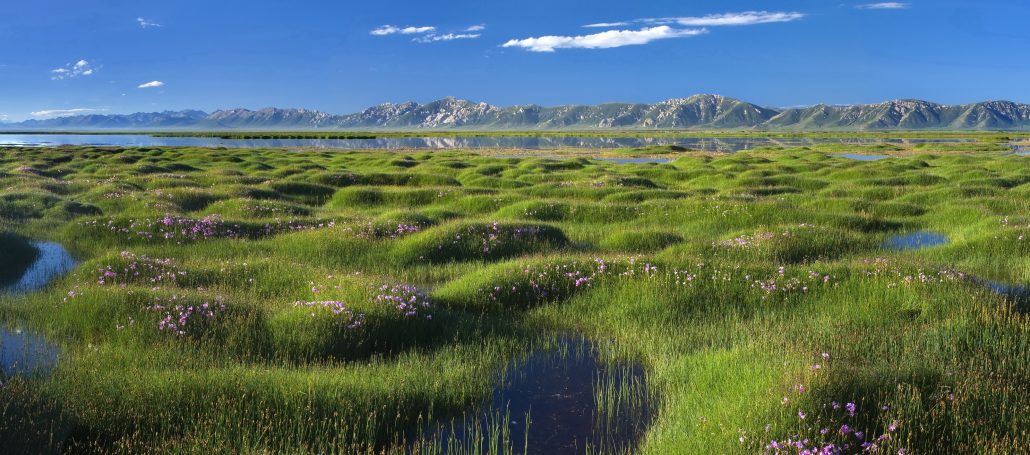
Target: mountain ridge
(697,112)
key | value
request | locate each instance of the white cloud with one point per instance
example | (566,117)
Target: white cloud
(884,5)
(72,70)
(744,18)
(393,30)
(603,40)
(607,24)
(144,23)
(712,20)
(428,33)
(151,84)
(431,38)
(48,113)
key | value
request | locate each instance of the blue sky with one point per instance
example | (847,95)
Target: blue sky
(121,56)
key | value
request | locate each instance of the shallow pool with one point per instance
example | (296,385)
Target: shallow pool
(572,402)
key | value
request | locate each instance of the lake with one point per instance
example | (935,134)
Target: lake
(708,144)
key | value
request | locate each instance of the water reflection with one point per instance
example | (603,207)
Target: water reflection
(861,157)
(1019,295)
(708,144)
(915,240)
(575,404)
(24,353)
(53,261)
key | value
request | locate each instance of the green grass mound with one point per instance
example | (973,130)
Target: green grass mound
(477,242)
(794,244)
(244,208)
(524,284)
(575,212)
(305,192)
(640,241)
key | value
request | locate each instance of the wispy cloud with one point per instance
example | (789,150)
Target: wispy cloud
(429,34)
(607,24)
(146,23)
(48,113)
(446,37)
(712,20)
(884,5)
(394,30)
(151,84)
(72,70)
(744,18)
(604,40)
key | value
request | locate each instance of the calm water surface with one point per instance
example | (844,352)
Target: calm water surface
(861,157)
(23,352)
(710,144)
(53,261)
(558,388)
(915,240)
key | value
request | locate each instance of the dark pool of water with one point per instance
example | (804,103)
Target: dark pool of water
(915,240)
(22,352)
(558,390)
(53,261)
(1017,294)
(861,157)
(711,144)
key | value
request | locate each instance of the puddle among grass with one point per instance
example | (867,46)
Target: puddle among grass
(24,353)
(53,261)
(861,157)
(915,240)
(576,404)
(1019,295)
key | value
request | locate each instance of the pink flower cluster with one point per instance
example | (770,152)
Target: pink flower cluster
(335,307)
(406,299)
(139,268)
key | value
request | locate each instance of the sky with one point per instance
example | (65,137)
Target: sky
(62,57)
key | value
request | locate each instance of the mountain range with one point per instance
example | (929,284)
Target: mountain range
(696,112)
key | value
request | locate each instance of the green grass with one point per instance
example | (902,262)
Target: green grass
(343,300)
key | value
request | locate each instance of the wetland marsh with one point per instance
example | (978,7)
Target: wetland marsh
(656,301)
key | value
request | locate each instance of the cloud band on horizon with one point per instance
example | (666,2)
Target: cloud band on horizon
(64,112)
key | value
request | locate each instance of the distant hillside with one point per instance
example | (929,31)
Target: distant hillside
(695,112)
